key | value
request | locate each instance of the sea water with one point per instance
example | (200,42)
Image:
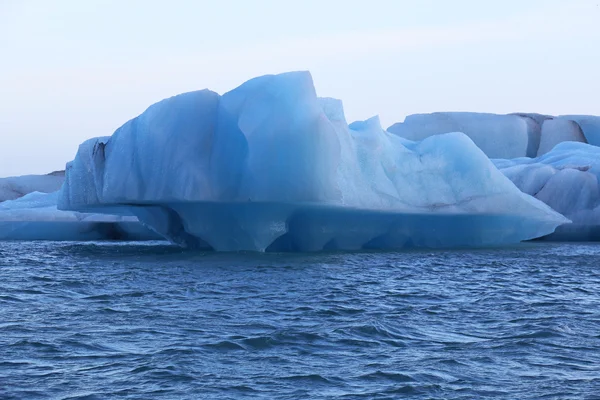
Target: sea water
(149,320)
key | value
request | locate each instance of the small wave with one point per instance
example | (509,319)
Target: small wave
(388,376)
(13,364)
(309,378)
(99,297)
(41,278)
(86,346)
(171,374)
(224,345)
(31,291)
(47,347)
(260,342)
(110,310)
(176,351)
(87,396)
(358,343)
(11,299)
(540,334)
(243,389)
(141,369)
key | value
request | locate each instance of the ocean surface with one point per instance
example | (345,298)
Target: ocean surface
(150,321)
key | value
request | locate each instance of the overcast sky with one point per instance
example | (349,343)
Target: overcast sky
(71,69)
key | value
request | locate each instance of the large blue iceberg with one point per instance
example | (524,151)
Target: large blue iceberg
(269,166)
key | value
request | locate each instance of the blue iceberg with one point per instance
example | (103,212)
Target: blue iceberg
(566,178)
(269,166)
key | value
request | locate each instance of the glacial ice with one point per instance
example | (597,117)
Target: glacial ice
(566,178)
(590,126)
(14,187)
(504,136)
(35,217)
(499,136)
(555,131)
(269,166)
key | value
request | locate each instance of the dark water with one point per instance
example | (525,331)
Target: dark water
(95,321)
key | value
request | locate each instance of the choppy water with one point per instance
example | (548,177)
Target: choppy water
(91,321)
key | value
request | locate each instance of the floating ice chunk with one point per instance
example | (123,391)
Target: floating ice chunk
(271,167)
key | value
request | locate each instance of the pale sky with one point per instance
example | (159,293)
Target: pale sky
(72,69)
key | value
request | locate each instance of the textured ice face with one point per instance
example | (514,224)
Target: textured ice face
(270,166)
(566,178)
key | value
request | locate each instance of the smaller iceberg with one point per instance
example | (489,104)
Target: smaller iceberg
(35,217)
(498,136)
(504,136)
(566,178)
(17,186)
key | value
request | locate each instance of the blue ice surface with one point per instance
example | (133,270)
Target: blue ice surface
(269,166)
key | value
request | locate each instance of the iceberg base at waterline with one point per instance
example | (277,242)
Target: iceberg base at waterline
(279,227)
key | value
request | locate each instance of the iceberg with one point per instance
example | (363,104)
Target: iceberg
(35,217)
(566,178)
(269,166)
(504,136)
(555,131)
(590,126)
(17,186)
(499,136)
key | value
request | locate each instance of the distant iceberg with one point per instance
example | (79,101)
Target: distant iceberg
(35,217)
(17,186)
(504,136)
(269,166)
(498,136)
(567,179)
